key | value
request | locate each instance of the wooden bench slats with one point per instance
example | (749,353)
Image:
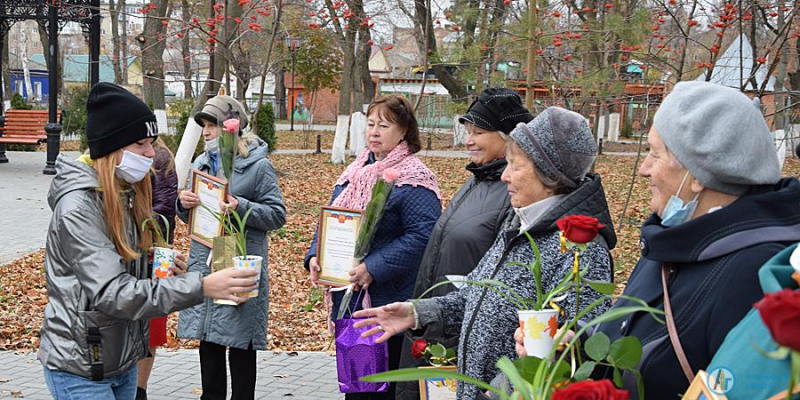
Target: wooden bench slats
(31,112)
(15,126)
(20,140)
(25,126)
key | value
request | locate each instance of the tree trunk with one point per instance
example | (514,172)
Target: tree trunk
(44,39)
(243,72)
(779,121)
(471,12)
(4,69)
(345,90)
(366,82)
(152,43)
(210,86)
(241,89)
(280,94)
(237,56)
(454,86)
(115,61)
(124,41)
(186,51)
(361,58)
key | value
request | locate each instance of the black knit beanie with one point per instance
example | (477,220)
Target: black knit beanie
(497,109)
(116,118)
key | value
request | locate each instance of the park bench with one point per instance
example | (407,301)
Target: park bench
(23,127)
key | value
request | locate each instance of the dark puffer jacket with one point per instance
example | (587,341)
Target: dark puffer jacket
(165,190)
(713,282)
(461,237)
(485,319)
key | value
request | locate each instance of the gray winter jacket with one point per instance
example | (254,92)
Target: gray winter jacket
(95,324)
(255,187)
(484,319)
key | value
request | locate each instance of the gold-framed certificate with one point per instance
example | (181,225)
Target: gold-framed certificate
(338,230)
(204,225)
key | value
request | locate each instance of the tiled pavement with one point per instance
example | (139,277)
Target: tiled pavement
(24,213)
(24,217)
(176,375)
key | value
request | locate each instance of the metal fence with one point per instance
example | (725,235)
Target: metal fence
(433,111)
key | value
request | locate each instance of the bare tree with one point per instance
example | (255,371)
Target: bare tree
(152,43)
(123,40)
(185,50)
(114,12)
(424,23)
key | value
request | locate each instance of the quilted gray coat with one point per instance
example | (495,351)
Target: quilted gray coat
(256,188)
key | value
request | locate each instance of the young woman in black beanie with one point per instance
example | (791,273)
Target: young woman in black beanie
(95,325)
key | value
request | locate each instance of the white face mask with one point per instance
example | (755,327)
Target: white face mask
(212,145)
(676,212)
(133,167)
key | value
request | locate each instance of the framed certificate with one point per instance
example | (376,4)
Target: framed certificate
(338,230)
(438,388)
(203,223)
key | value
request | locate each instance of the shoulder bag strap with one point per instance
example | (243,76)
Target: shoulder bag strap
(672,329)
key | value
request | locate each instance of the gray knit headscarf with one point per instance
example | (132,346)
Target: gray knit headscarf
(559,143)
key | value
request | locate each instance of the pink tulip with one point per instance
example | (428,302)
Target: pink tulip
(390,174)
(231,125)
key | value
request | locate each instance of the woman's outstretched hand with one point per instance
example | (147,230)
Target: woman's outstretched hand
(227,283)
(390,319)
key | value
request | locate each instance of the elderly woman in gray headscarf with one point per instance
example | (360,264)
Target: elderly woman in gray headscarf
(548,160)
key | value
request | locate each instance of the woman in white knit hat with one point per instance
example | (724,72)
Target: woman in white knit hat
(720,211)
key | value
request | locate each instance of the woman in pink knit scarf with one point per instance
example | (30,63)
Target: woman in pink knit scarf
(390,269)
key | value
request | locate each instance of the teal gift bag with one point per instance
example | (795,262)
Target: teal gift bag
(752,375)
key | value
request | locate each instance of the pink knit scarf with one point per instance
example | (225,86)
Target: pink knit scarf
(362,177)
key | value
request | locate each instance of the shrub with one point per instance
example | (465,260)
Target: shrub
(265,126)
(73,117)
(183,110)
(21,147)
(627,127)
(19,103)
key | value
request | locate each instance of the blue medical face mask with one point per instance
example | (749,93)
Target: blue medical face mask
(675,212)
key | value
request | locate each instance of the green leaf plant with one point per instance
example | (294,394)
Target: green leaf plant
(235,226)
(536,378)
(152,225)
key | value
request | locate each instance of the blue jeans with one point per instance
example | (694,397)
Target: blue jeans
(66,386)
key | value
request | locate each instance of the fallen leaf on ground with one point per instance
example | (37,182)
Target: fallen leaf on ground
(307,183)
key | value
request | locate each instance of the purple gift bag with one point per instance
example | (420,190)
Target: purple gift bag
(357,357)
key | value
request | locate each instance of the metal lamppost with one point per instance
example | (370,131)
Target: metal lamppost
(53,127)
(293,43)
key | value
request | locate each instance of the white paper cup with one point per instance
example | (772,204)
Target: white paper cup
(163,260)
(539,329)
(249,263)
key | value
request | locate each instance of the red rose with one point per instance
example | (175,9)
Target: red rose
(591,390)
(579,228)
(780,312)
(418,348)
